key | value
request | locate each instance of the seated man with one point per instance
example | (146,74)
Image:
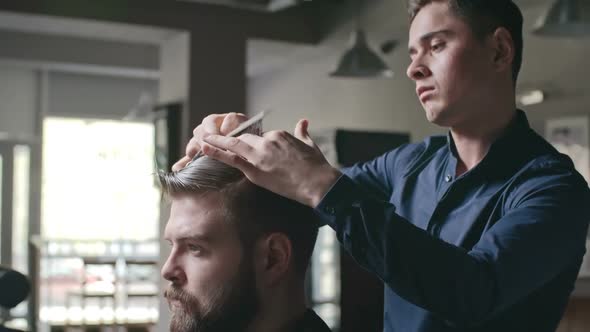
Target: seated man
(239,254)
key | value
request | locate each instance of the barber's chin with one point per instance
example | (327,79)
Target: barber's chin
(437,114)
(433,115)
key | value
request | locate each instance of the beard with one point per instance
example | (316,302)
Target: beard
(229,307)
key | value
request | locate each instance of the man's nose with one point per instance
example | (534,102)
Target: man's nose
(172,269)
(417,70)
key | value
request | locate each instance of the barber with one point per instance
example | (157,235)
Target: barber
(480,230)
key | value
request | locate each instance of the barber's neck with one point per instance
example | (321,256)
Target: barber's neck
(474,137)
(280,307)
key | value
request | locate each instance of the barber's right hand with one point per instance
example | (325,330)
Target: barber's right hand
(218,124)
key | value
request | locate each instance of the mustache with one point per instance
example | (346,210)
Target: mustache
(173,293)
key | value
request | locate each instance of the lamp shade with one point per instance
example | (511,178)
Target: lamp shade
(359,61)
(565,18)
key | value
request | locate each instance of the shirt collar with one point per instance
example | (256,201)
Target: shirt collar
(513,136)
(511,140)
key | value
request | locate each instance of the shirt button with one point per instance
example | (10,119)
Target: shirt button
(448,178)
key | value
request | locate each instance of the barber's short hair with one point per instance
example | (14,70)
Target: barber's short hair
(484,17)
(254,211)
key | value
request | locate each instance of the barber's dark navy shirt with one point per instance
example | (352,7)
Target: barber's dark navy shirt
(495,249)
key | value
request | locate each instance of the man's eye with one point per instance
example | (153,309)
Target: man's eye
(437,47)
(194,248)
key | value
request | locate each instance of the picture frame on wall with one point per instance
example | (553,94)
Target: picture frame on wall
(570,136)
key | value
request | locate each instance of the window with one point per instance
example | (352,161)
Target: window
(99,204)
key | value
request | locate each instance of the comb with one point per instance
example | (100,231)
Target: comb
(238,130)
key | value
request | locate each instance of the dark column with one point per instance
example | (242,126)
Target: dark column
(217,80)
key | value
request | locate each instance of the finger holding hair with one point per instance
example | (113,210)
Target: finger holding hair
(181,164)
(232,144)
(231,122)
(229,158)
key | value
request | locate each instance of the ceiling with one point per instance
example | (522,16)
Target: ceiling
(380,20)
(259,5)
(89,29)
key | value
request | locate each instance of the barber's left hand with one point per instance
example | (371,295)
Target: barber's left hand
(291,166)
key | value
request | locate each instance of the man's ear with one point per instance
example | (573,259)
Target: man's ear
(273,255)
(504,51)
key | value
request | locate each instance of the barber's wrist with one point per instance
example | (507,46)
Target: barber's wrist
(323,180)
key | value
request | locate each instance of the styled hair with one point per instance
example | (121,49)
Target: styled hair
(484,17)
(253,210)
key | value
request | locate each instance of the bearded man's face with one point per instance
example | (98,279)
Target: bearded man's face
(212,279)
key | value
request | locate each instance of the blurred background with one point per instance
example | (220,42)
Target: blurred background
(95,96)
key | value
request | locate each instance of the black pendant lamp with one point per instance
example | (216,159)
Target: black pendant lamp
(360,61)
(565,18)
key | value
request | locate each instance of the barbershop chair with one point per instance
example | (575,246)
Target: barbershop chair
(14,288)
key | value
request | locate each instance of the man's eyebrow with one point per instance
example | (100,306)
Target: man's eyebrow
(430,35)
(194,237)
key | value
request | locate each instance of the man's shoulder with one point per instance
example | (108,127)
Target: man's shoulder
(544,157)
(547,172)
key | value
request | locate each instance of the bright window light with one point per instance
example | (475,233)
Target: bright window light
(98,180)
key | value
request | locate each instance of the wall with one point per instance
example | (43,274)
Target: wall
(19,95)
(174,60)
